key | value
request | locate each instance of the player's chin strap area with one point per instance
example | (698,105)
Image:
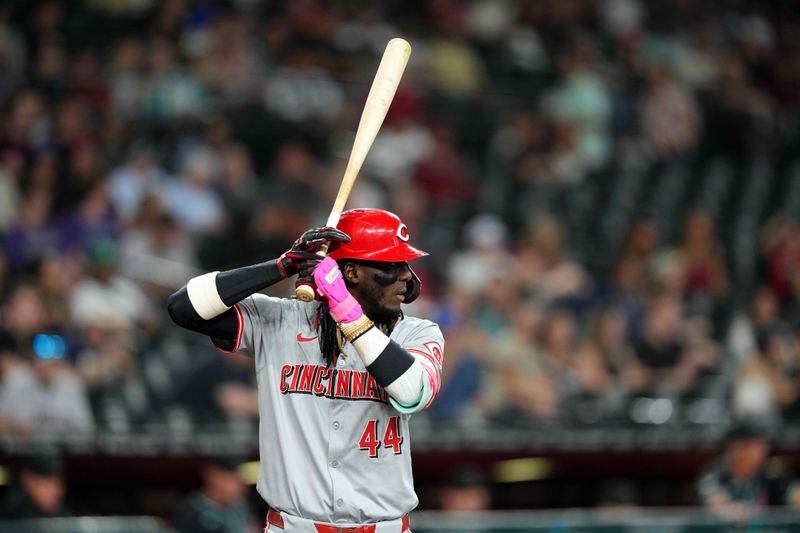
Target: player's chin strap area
(282,521)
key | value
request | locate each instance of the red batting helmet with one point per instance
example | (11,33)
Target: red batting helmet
(377,235)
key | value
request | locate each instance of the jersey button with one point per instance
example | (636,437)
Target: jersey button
(340,362)
(339,502)
(335,464)
(336,425)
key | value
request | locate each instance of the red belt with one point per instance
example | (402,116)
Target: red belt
(274,517)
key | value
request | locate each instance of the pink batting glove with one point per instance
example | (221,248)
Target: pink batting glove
(330,284)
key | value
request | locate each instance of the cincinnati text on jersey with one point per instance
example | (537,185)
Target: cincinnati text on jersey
(322,381)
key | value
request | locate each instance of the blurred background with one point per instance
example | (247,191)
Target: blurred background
(609,189)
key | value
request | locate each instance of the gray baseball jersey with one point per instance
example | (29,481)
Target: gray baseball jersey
(333,449)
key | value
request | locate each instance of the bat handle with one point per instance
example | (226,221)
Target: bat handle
(305,291)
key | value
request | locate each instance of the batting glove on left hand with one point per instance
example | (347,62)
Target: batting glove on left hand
(301,257)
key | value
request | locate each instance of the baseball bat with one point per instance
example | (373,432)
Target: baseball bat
(380,96)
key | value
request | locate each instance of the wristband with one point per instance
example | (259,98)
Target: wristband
(356,328)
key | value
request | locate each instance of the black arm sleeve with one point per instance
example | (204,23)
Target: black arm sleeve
(390,364)
(236,285)
(233,286)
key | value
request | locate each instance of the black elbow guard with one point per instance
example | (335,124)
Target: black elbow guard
(182,312)
(180,308)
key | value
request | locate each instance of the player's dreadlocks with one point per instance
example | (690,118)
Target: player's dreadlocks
(329,336)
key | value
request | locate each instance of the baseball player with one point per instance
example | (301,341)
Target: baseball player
(337,378)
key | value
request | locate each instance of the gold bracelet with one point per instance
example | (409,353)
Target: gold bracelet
(353,330)
(361,334)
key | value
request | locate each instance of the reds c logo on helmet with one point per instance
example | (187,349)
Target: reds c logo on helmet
(377,235)
(402,233)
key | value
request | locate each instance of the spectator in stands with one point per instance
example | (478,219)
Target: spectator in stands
(127,81)
(218,388)
(543,265)
(742,111)
(737,487)
(466,490)
(767,382)
(227,57)
(130,183)
(404,140)
(20,136)
(106,365)
(461,398)
(664,361)
(670,116)
(761,318)
(631,276)
(454,67)
(157,255)
(521,386)
(238,185)
(590,372)
(83,172)
(609,332)
(301,91)
(526,137)
(39,492)
(8,360)
(640,247)
(172,91)
(444,176)
(40,393)
(581,101)
(780,249)
(704,278)
(105,297)
(558,339)
(92,220)
(192,199)
(56,277)
(23,314)
(30,236)
(219,506)
(484,256)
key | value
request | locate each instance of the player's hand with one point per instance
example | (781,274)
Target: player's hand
(306,274)
(330,285)
(296,259)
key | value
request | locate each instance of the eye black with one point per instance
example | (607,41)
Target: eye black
(387,273)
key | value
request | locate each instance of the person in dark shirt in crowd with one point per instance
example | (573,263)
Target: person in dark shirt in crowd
(466,490)
(218,388)
(40,492)
(219,506)
(666,364)
(737,486)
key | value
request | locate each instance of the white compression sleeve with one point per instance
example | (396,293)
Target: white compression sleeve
(204,296)
(408,387)
(370,345)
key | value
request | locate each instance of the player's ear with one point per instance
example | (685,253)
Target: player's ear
(351,273)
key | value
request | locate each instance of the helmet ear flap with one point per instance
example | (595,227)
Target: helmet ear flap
(413,287)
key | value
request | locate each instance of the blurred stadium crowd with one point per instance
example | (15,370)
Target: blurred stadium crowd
(610,196)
